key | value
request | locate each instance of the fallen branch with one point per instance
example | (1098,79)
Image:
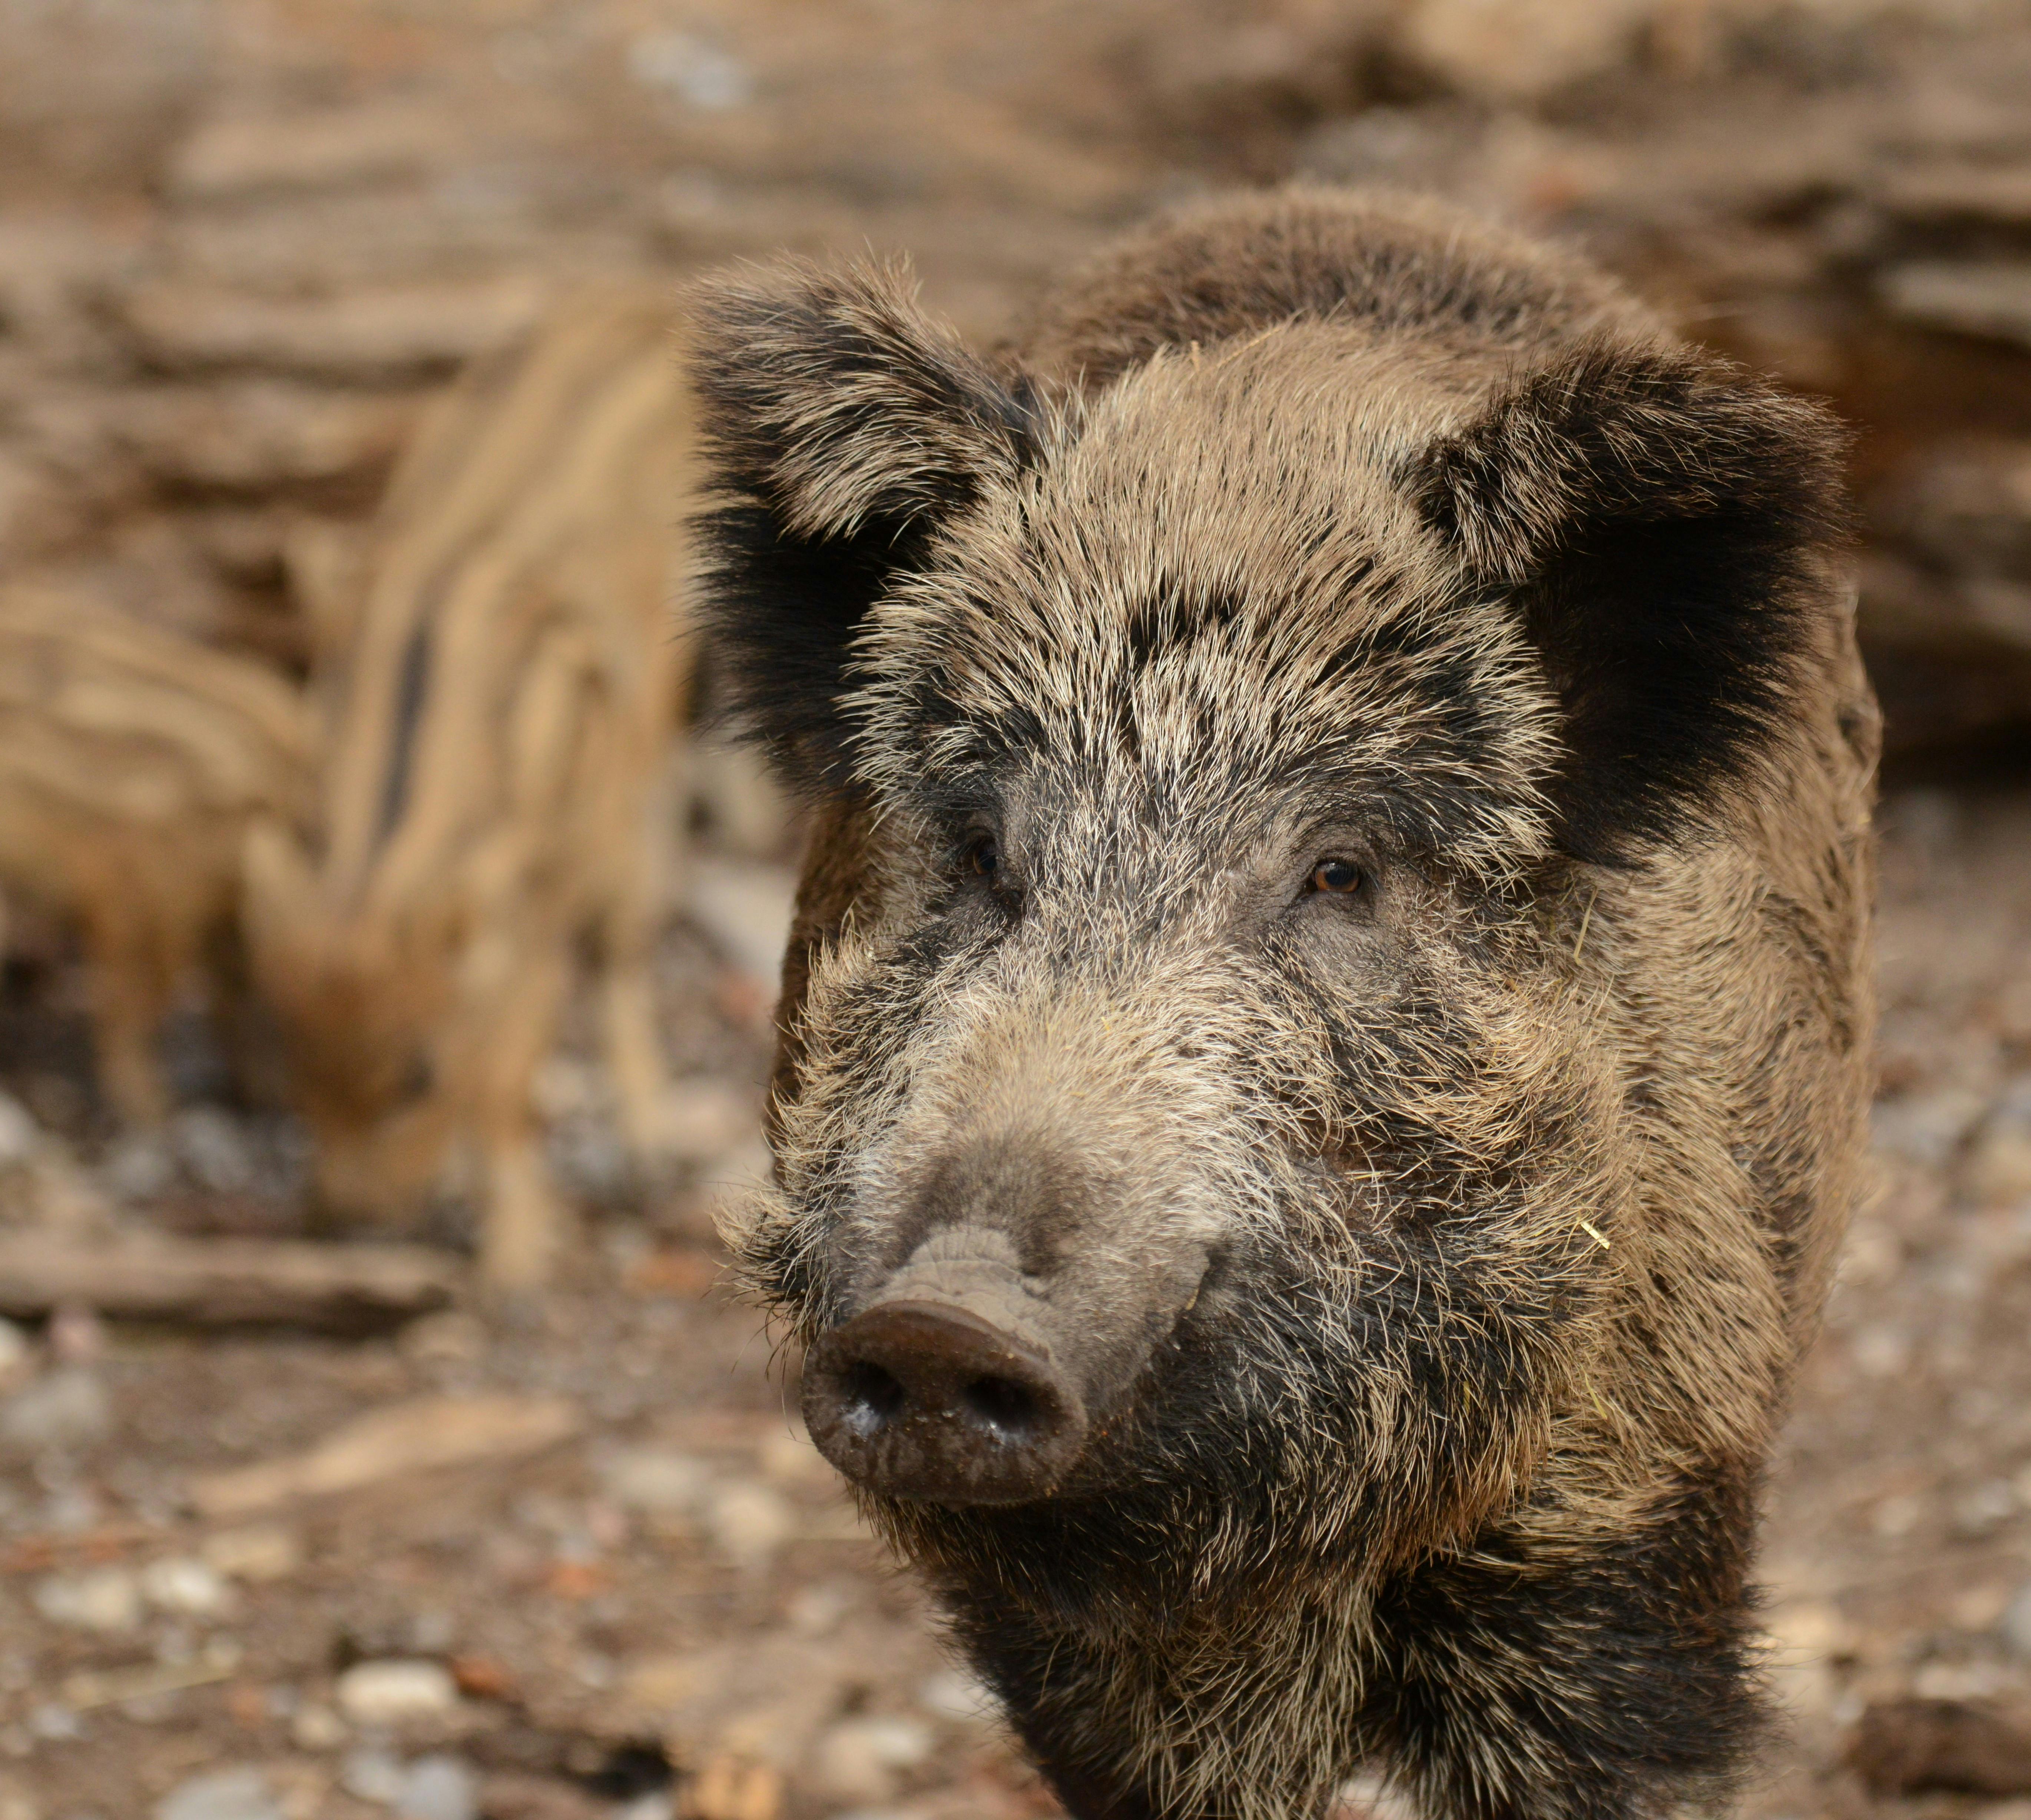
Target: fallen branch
(394,1442)
(225,1283)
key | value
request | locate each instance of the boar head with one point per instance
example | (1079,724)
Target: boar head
(362,1003)
(1198,1147)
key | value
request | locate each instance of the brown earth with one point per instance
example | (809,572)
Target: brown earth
(241,240)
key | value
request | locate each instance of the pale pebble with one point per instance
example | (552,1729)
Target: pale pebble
(105,1599)
(438,1786)
(859,1759)
(67,1407)
(190,1587)
(237,1794)
(316,1727)
(258,1553)
(653,1480)
(395,1691)
(749,1522)
(2015,1623)
(372,1773)
(19,1132)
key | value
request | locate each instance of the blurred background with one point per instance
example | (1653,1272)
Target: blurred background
(344,934)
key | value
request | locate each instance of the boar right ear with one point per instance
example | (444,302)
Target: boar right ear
(842,424)
(1660,522)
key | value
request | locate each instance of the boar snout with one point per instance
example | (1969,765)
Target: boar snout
(933,1401)
(1021,1316)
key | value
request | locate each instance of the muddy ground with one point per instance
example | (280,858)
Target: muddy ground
(242,241)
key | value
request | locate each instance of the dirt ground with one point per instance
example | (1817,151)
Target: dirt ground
(585,1565)
(656,1578)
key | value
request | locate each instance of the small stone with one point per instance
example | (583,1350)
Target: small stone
(957,1696)
(1881,1351)
(1810,1627)
(449,1338)
(656,1481)
(438,1786)
(77,1335)
(789,1460)
(814,1611)
(372,1773)
(1984,1509)
(213,1147)
(1963,1682)
(432,1632)
(1897,1515)
(396,1692)
(240,1794)
(139,1167)
(699,1121)
(1517,50)
(861,1759)
(19,1133)
(748,1523)
(105,1599)
(1926,1129)
(2014,1625)
(1985,298)
(56,1723)
(689,70)
(189,1587)
(745,908)
(1998,1169)
(258,1553)
(730,1786)
(315,1728)
(656,1806)
(67,1407)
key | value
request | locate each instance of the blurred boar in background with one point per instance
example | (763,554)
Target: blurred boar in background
(132,762)
(1323,1057)
(500,714)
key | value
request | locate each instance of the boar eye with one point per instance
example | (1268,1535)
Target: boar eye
(983,856)
(1341,878)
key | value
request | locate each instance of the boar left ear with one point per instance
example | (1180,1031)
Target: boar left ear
(1662,523)
(840,423)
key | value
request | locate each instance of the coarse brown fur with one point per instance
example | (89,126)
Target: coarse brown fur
(132,762)
(1472,1224)
(500,704)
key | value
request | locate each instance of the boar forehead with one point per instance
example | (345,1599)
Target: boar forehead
(1212,585)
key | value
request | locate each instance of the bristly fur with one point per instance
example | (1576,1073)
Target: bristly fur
(1503,1194)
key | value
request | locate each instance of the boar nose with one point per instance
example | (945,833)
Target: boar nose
(923,1400)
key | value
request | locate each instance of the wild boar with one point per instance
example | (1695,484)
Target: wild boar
(500,706)
(132,763)
(1323,1053)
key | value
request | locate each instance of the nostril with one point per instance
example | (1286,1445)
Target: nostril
(926,1400)
(874,1398)
(1012,1410)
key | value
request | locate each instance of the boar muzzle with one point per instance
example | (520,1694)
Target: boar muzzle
(944,1390)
